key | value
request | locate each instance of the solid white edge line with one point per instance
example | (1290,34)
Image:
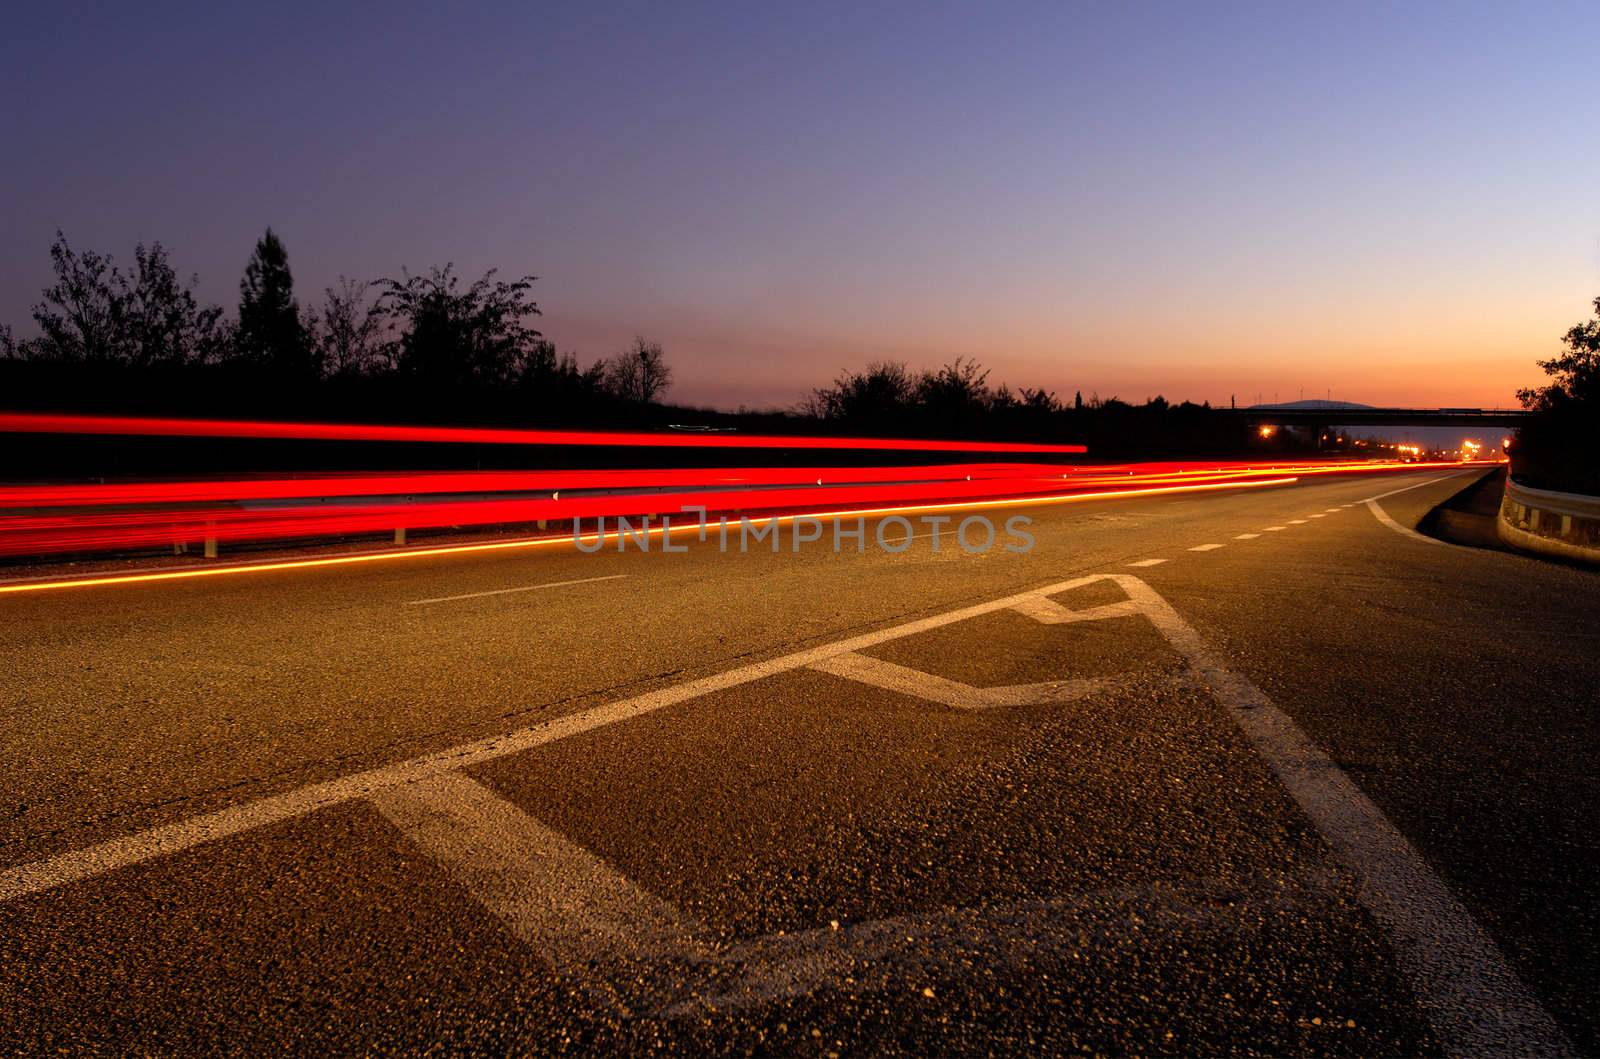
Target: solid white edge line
(1383,516)
(1417,485)
(1474,1000)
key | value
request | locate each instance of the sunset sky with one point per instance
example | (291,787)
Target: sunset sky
(1397,205)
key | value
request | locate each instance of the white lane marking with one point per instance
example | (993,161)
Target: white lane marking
(1474,1000)
(1274,529)
(128,850)
(1332,510)
(865,669)
(1205,547)
(508,591)
(881,955)
(1343,506)
(1247,536)
(1148,562)
(570,905)
(1297,522)
(1417,485)
(1047,611)
(1320,514)
(1405,531)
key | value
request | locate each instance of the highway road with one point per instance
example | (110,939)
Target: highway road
(1250,771)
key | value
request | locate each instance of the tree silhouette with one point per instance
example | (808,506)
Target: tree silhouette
(1574,373)
(163,324)
(349,334)
(955,395)
(93,314)
(455,338)
(1555,448)
(79,317)
(432,347)
(271,333)
(880,393)
(639,373)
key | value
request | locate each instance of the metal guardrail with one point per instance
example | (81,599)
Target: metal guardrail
(1573,505)
(1543,520)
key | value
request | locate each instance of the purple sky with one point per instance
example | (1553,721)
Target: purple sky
(1395,204)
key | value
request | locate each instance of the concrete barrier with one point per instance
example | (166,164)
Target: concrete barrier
(1561,524)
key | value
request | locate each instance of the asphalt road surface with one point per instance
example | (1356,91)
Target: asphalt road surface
(1249,771)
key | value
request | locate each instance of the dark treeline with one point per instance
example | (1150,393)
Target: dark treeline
(958,401)
(1560,447)
(413,348)
(435,347)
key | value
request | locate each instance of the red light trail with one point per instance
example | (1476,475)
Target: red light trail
(224,428)
(94,580)
(42,520)
(129,517)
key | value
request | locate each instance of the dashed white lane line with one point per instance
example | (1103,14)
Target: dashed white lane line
(508,591)
(1320,514)
(1205,547)
(1148,562)
(1273,529)
(1332,510)
(1247,536)
(1297,522)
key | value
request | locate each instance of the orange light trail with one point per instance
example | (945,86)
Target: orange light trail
(54,520)
(653,531)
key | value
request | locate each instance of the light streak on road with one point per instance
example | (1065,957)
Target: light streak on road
(570,540)
(354,510)
(227,428)
(133,516)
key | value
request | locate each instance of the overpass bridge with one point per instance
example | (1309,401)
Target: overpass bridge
(1359,416)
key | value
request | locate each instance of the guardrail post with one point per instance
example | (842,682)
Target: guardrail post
(399,534)
(211,547)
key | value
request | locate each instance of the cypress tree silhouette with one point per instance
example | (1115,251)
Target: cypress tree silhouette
(271,333)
